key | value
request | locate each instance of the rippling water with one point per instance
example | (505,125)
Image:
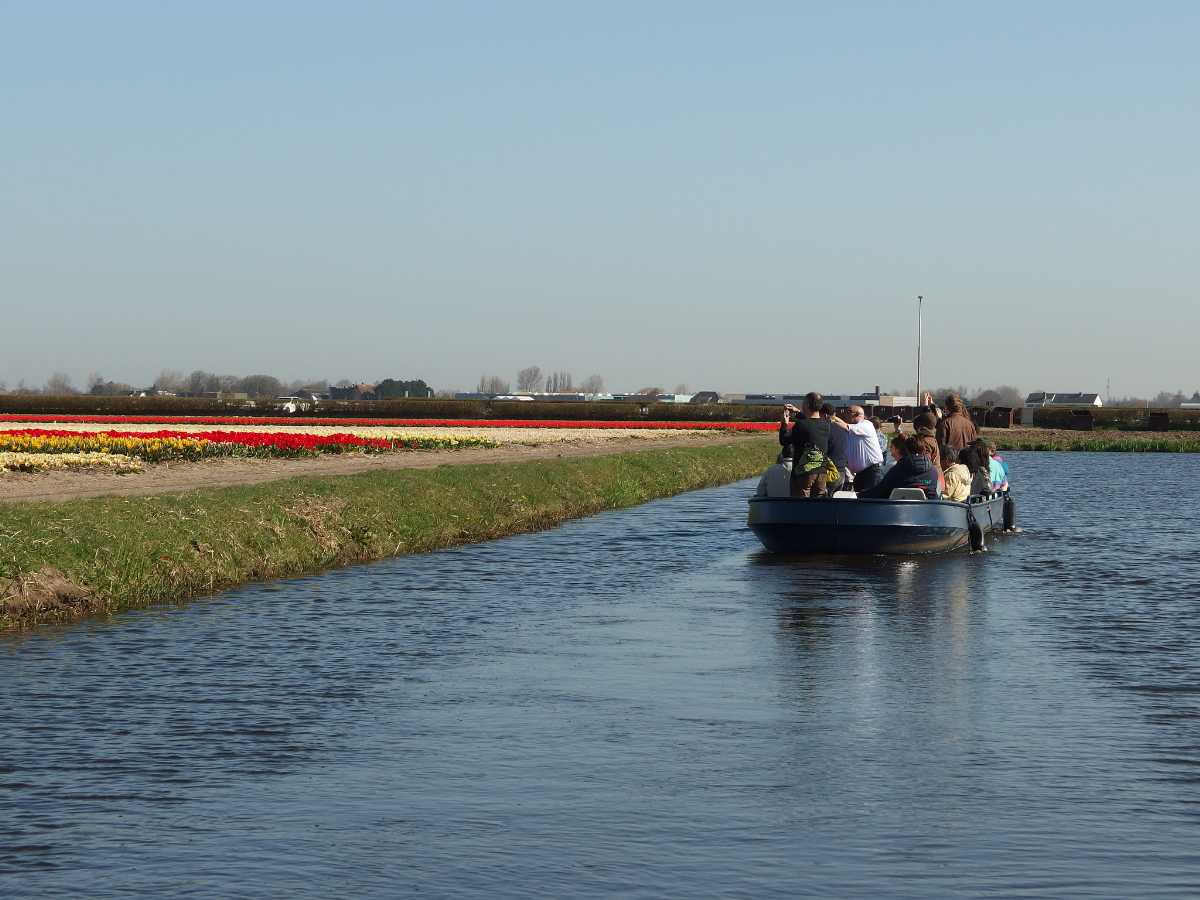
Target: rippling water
(642,704)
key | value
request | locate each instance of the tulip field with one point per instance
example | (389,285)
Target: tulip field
(302,422)
(34,443)
(42,449)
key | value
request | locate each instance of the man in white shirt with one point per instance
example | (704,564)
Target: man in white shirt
(863,456)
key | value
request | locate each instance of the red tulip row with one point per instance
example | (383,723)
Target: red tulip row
(403,423)
(156,446)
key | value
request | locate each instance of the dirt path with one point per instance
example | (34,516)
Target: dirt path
(163,478)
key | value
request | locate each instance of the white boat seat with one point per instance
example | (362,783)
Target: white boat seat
(906,494)
(845,495)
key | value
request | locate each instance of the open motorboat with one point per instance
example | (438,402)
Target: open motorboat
(906,523)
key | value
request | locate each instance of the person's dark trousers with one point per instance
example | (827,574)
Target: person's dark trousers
(868,478)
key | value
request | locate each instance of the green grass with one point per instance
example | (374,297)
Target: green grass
(1107,443)
(60,562)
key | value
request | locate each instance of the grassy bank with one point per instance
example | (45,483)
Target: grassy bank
(1094,441)
(98,556)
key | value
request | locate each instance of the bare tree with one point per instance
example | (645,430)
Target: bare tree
(940,394)
(59,384)
(593,384)
(650,391)
(530,379)
(261,385)
(682,389)
(169,380)
(492,384)
(227,384)
(559,381)
(1004,395)
(200,382)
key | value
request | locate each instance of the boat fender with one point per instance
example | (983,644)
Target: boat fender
(1010,513)
(975,532)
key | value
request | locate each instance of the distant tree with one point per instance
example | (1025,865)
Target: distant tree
(1168,399)
(493,384)
(682,389)
(200,382)
(98,387)
(940,394)
(60,384)
(1129,402)
(227,384)
(1004,395)
(23,388)
(170,380)
(650,391)
(309,386)
(261,386)
(3,387)
(530,379)
(559,381)
(593,384)
(390,387)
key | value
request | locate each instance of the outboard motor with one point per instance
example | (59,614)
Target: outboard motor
(1010,513)
(975,532)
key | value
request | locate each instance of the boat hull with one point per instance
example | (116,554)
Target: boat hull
(892,527)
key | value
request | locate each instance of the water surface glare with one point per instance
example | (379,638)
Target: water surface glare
(642,704)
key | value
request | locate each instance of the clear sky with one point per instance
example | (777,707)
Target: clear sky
(736,196)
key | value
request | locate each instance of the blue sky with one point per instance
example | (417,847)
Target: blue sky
(736,198)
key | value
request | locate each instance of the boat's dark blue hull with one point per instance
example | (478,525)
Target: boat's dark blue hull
(894,527)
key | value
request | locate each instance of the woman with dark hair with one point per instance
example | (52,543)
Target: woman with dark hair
(977,463)
(913,468)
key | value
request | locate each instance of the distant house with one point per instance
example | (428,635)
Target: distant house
(1047,399)
(354,392)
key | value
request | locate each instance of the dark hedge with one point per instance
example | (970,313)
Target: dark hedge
(85,404)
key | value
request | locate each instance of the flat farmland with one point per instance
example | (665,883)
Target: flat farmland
(251,454)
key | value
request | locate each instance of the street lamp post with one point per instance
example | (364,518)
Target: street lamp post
(920,301)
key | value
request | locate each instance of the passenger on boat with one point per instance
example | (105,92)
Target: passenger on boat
(863,455)
(956,430)
(837,451)
(807,434)
(997,467)
(925,426)
(888,462)
(975,459)
(957,476)
(913,468)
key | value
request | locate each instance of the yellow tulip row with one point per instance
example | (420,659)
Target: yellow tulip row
(149,449)
(43,462)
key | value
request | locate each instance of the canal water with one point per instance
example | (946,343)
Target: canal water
(642,704)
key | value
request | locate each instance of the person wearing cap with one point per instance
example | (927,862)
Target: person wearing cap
(863,456)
